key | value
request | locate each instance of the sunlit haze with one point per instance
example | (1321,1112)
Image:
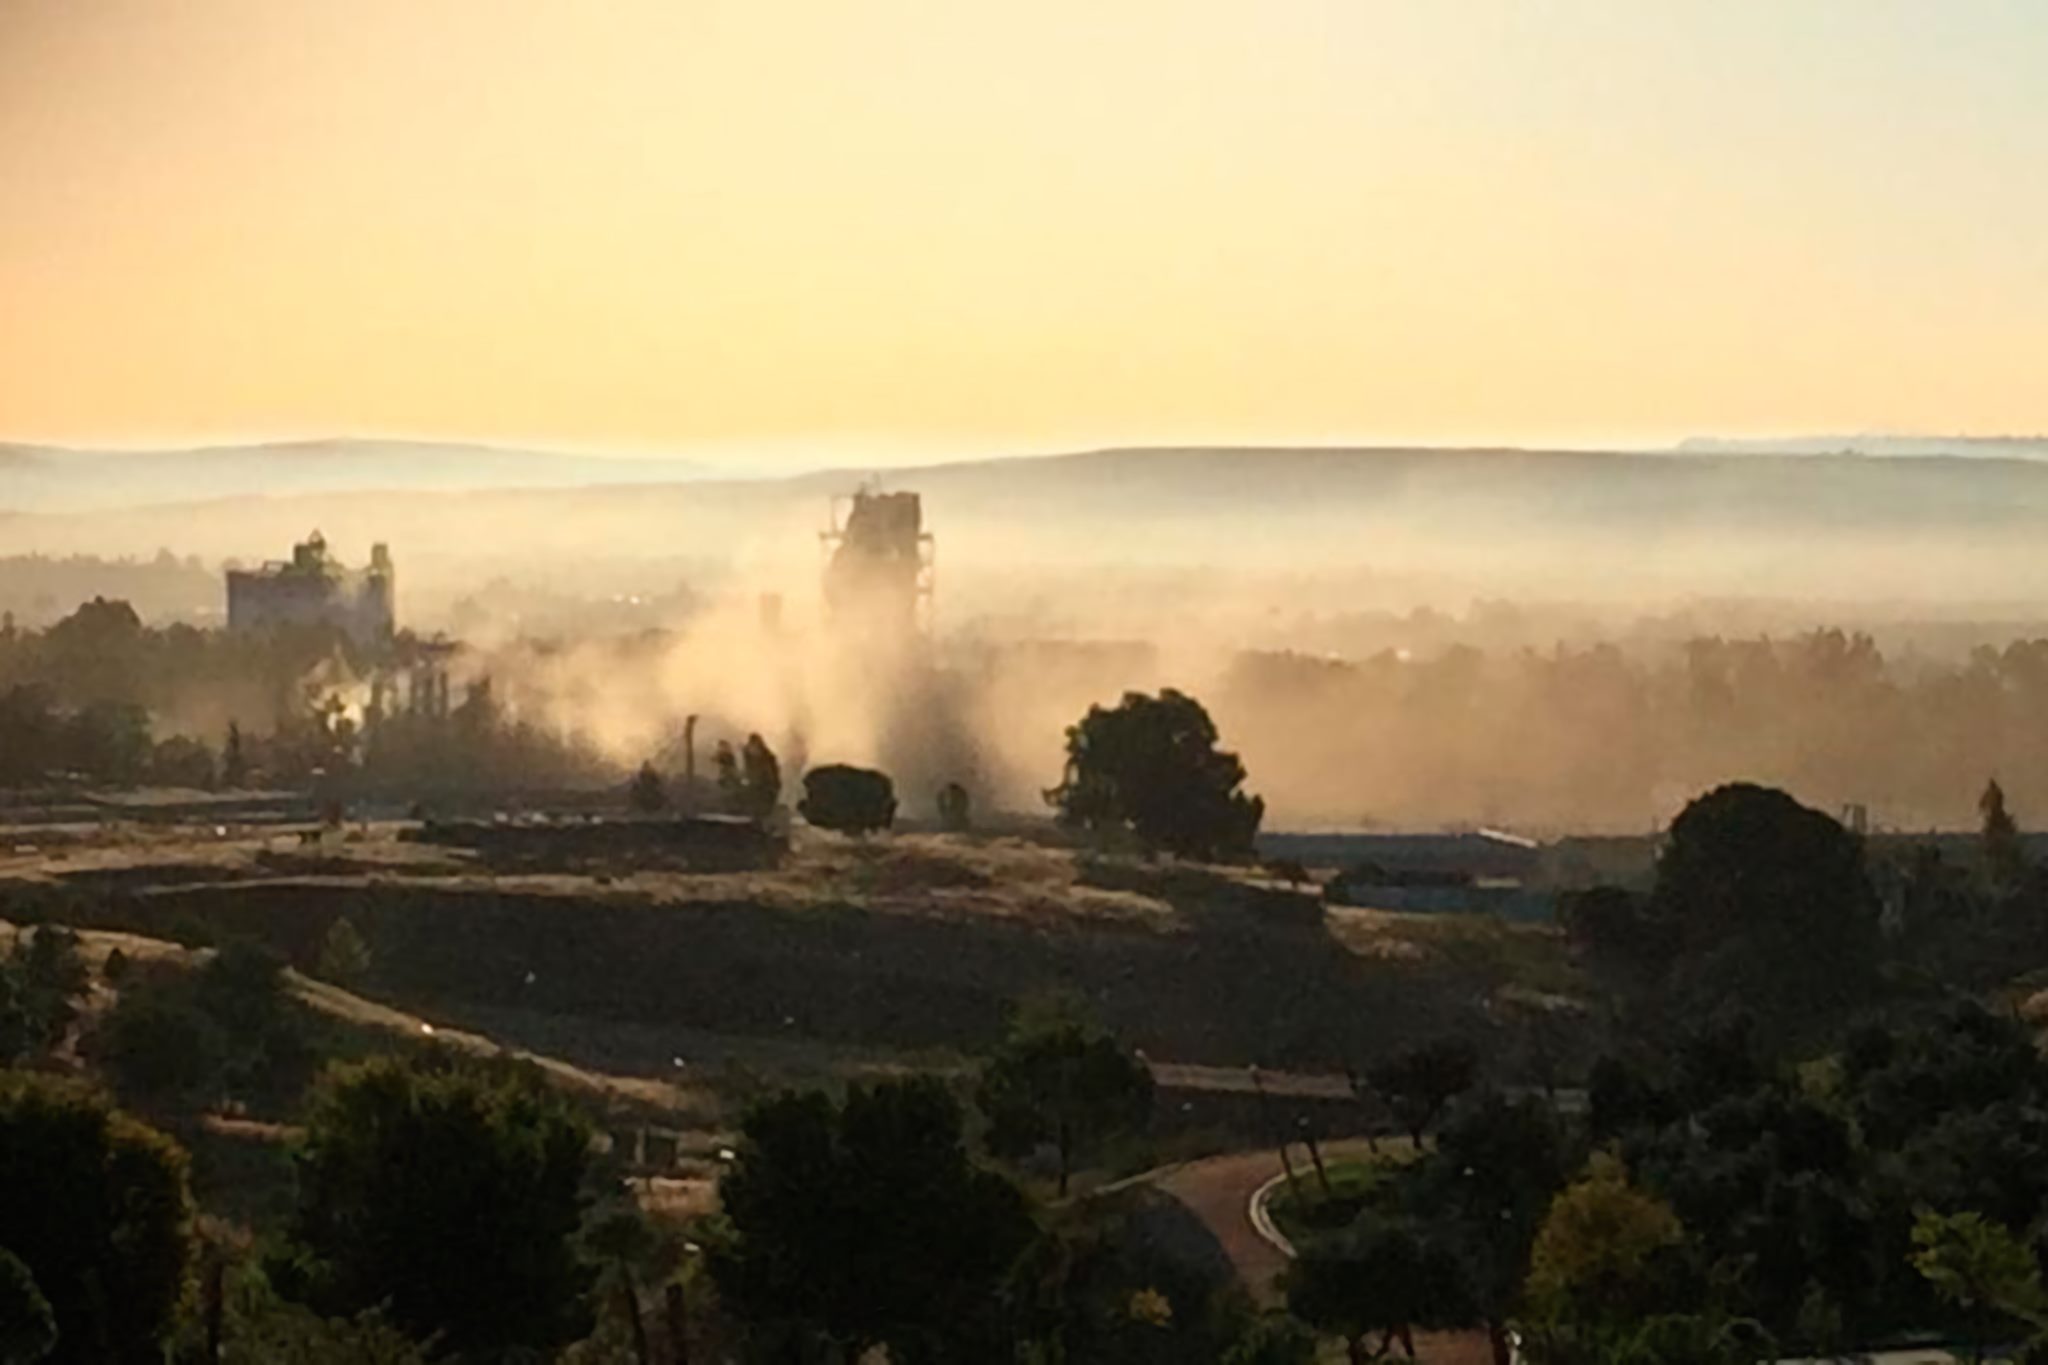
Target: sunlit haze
(798,233)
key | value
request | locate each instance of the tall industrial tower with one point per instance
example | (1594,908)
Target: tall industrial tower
(879,565)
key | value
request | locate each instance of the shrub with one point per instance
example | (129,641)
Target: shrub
(848,799)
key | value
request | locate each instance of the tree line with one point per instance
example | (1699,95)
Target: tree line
(1614,737)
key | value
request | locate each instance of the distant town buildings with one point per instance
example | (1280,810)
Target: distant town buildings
(313,588)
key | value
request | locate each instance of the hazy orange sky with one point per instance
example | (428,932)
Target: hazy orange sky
(806,226)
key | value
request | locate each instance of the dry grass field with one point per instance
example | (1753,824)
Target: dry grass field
(904,949)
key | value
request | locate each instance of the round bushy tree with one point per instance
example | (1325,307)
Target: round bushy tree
(865,1224)
(1768,901)
(450,1197)
(1150,766)
(96,1206)
(848,799)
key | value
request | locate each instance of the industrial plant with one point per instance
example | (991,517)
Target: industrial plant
(313,588)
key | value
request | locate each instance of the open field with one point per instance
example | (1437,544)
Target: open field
(851,954)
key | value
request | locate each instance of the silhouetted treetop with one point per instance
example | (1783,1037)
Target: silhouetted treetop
(1150,766)
(1768,899)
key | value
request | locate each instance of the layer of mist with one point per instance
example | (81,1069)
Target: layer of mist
(1541,640)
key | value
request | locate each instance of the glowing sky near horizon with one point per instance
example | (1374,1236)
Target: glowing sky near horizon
(800,225)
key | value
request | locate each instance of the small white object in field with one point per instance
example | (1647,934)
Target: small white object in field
(427,1029)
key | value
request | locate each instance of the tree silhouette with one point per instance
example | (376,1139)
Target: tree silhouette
(96,1207)
(865,1225)
(1418,1082)
(182,761)
(731,785)
(40,980)
(1377,1277)
(1057,1078)
(1485,1190)
(1150,766)
(344,953)
(2005,859)
(1768,900)
(760,779)
(648,793)
(955,808)
(234,763)
(449,1197)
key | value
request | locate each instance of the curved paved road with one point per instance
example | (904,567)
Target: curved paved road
(1219,1190)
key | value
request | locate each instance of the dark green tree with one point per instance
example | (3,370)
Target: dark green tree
(95,1204)
(760,779)
(260,1327)
(234,762)
(866,1225)
(1603,1263)
(955,808)
(30,742)
(1128,1277)
(1485,1190)
(1615,933)
(182,761)
(732,785)
(1377,1278)
(345,956)
(1273,1339)
(1058,1078)
(2005,858)
(158,1046)
(451,1198)
(110,742)
(1769,903)
(648,794)
(242,989)
(28,1329)
(1150,766)
(848,799)
(1418,1082)
(1985,1271)
(41,979)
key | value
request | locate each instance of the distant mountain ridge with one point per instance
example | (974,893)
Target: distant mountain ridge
(1876,444)
(65,479)
(1504,521)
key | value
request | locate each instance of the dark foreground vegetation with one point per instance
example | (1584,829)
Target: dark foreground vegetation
(1814,1120)
(1783,1099)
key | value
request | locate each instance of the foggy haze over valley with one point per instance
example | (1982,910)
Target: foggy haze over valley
(934,682)
(1416,610)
